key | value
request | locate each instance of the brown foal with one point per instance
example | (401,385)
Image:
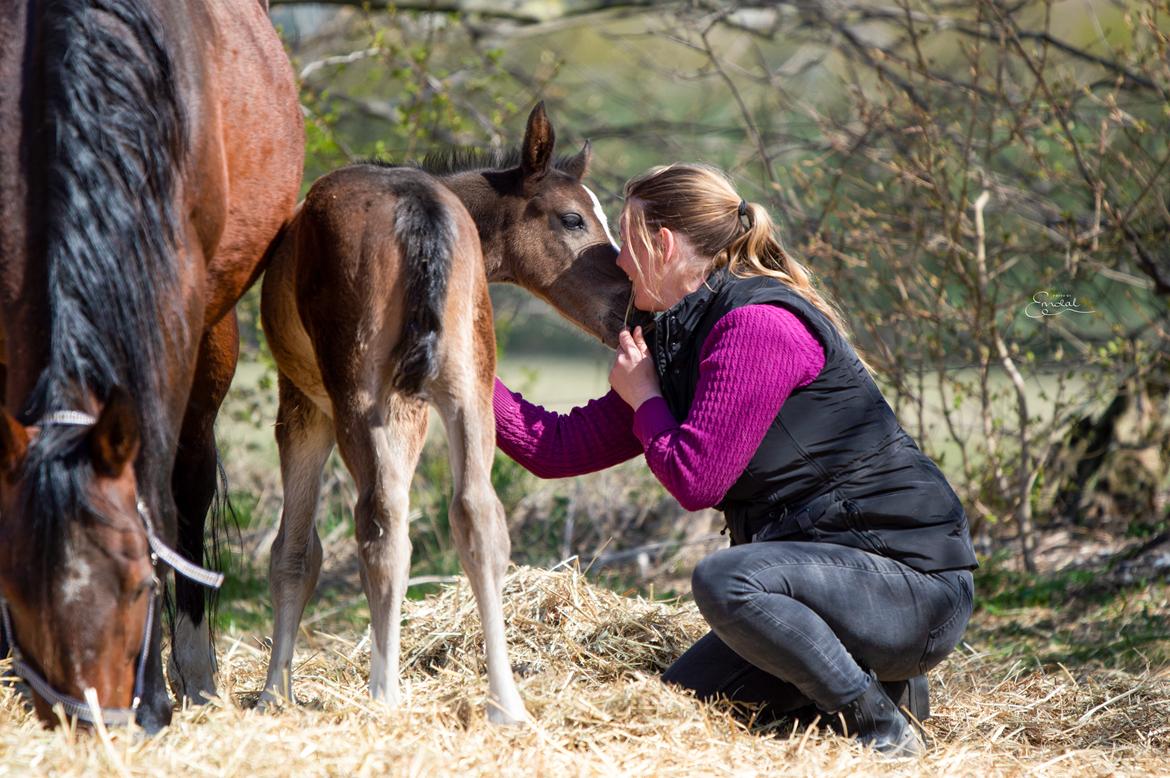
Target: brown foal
(376,304)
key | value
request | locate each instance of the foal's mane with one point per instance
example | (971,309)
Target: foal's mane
(456,159)
(106,127)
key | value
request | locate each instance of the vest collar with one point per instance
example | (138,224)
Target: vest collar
(685,315)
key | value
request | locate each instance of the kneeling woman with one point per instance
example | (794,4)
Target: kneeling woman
(850,556)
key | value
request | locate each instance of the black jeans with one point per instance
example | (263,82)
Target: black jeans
(796,622)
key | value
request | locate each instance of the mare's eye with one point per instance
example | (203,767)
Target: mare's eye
(572,221)
(145,588)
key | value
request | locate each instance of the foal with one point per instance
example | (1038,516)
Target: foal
(376,303)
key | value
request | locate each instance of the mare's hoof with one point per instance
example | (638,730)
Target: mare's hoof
(192,691)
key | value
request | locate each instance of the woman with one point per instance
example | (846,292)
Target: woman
(850,557)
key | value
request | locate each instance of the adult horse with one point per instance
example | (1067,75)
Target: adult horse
(375,304)
(150,151)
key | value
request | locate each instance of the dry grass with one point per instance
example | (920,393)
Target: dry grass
(587,660)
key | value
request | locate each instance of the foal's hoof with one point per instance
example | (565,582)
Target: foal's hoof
(511,716)
(272,702)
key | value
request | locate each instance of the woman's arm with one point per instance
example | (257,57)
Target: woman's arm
(752,360)
(554,445)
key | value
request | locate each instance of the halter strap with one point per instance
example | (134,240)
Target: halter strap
(160,550)
(181,565)
(67,419)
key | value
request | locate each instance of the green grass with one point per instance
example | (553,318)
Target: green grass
(1072,618)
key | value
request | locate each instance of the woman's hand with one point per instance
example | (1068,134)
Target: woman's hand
(633,375)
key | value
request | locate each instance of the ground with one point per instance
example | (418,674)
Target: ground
(1035,689)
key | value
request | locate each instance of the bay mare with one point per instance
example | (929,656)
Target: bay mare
(150,151)
(376,304)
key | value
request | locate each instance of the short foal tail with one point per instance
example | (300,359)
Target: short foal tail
(426,235)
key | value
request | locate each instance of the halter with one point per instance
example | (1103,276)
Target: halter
(158,550)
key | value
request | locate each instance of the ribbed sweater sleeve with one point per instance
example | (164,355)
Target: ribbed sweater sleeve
(751,361)
(555,445)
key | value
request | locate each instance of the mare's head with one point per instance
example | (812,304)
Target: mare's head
(543,229)
(75,561)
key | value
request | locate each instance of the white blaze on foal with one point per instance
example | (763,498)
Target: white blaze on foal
(600,214)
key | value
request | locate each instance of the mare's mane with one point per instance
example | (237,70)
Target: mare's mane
(105,130)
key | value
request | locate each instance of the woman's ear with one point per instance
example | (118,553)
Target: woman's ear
(668,244)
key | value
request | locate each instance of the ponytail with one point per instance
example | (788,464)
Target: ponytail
(758,252)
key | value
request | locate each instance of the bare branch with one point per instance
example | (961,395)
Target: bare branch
(339,59)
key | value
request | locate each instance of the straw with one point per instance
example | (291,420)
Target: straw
(588,663)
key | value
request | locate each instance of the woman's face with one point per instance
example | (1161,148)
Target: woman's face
(642,268)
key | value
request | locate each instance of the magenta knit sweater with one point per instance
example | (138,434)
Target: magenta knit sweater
(754,357)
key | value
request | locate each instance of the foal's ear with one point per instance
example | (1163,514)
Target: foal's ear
(13,443)
(578,165)
(539,140)
(113,441)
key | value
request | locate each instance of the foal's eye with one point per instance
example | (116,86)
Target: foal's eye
(572,221)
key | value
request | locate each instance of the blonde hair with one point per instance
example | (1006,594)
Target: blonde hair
(699,202)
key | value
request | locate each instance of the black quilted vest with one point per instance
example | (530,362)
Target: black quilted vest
(835,466)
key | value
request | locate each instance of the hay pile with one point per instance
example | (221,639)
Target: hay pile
(587,661)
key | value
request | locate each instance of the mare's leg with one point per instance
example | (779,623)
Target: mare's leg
(381,448)
(192,666)
(304,435)
(476,515)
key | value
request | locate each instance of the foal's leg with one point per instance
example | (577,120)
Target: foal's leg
(304,435)
(192,664)
(381,449)
(477,517)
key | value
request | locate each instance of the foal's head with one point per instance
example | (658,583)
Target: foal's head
(75,562)
(543,229)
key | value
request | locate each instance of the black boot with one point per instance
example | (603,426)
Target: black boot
(875,720)
(912,697)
